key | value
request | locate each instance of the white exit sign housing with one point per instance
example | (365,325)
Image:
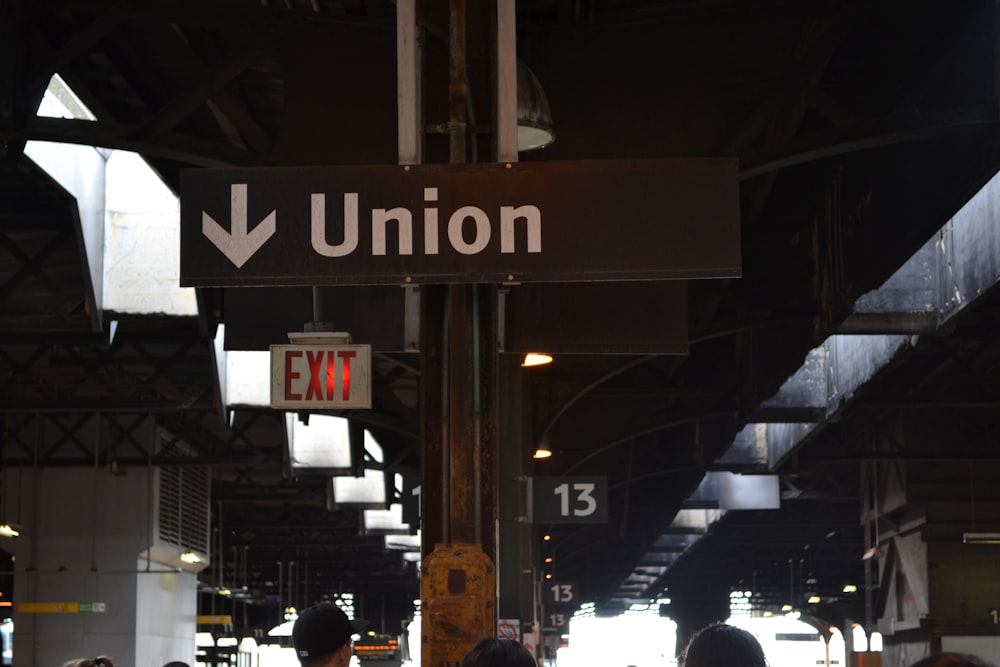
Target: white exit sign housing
(321,376)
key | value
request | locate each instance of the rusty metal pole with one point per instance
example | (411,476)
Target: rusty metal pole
(458,423)
(461,526)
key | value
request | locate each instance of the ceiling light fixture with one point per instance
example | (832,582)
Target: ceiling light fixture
(850,588)
(813,599)
(536,359)
(190,557)
(874,552)
(534,118)
(981,538)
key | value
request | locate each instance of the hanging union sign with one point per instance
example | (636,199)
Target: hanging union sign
(495,222)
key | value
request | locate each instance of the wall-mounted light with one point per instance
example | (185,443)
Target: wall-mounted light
(981,538)
(786,607)
(543,450)
(9,530)
(814,599)
(536,359)
(190,557)
(850,588)
(546,537)
(548,559)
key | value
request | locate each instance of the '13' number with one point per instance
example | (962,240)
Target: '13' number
(583,491)
(562,593)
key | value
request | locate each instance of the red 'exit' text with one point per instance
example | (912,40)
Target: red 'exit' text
(320,376)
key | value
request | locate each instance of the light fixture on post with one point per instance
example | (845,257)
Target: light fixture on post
(534,119)
(543,450)
(536,359)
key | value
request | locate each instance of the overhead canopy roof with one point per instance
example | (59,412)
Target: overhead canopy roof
(860,129)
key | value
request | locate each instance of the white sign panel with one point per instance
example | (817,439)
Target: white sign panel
(321,376)
(509,628)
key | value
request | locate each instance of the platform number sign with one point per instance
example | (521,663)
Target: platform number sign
(568,499)
(554,621)
(554,593)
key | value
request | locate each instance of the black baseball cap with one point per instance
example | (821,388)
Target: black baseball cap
(323,629)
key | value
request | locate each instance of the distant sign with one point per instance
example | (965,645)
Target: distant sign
(321,376)
(559,593)
(568,499)
(509,628)
(214,619)
(555,621)
(61,607)
(492,222)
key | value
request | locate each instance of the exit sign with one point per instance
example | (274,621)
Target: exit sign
(321,376)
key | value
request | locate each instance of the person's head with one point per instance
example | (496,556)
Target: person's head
(321,635)
(499,653)
(99,661)
(952,660)
(721,645)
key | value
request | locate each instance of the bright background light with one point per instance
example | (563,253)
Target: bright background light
(646,640)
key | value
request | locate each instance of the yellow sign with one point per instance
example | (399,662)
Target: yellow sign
(215,619)
(457,592)
(61,607)
(48,607)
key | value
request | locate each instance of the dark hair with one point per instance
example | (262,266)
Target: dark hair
(99,661)
(498,653)
(721,645)
(952,660)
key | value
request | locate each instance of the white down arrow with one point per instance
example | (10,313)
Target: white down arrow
(238,244)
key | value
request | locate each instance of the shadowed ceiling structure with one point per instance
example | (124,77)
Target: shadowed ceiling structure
(860,130)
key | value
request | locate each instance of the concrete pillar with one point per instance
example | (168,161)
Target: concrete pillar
(82,587)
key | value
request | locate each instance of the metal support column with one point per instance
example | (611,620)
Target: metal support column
(458,420)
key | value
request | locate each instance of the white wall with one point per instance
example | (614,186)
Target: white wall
(166,607)
(82,532)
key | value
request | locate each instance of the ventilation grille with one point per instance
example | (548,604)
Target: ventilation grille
(182,513)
